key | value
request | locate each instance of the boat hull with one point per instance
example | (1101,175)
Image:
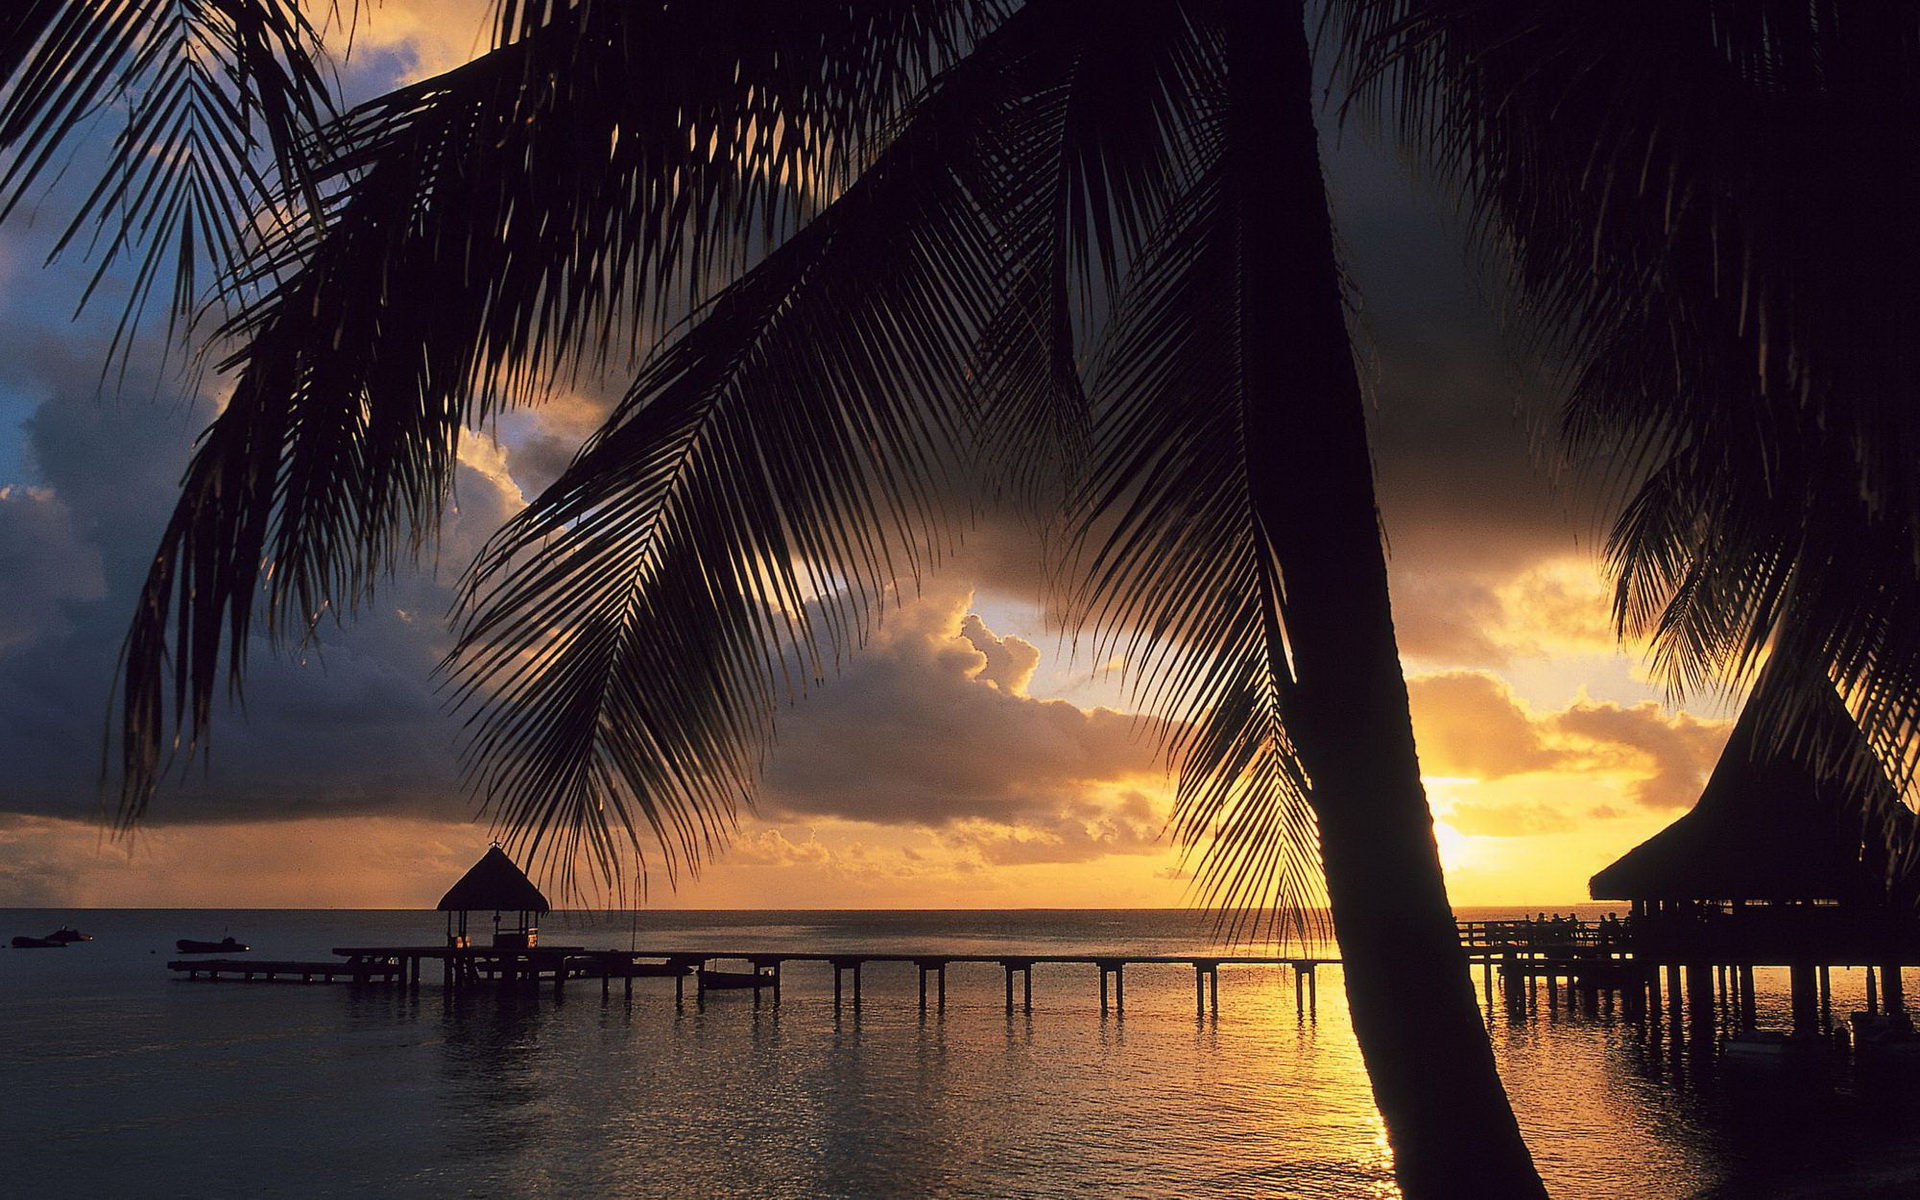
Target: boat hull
(722,981)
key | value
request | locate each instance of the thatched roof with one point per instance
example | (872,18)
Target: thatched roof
(1770,827)
(494,884)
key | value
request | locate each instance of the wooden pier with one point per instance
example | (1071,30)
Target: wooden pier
(465,967)
(1651,969)
(1586,959)
(713,970)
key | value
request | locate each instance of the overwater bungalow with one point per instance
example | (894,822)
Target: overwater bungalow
(1779,863)
(495,884)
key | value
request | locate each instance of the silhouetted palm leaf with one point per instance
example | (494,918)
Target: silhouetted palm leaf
(199,84)
(1180,573)
(1708,215)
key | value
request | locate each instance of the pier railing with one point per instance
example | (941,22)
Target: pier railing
(1540,933)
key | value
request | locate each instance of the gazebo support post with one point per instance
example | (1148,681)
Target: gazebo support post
(1700,999)
(1892,990)
(1804,984)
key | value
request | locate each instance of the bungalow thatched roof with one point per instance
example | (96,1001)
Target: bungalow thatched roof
(494,884)
(1771,826)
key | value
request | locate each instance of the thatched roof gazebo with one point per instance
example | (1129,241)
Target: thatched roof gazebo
(1772,828)
(494,883)
(1798,853)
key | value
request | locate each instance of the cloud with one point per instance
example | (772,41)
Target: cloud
(378,862)
(1448,618)
(45,564)
(772,847)
(1079,831)
(351,725)
(1507,820)
(1552,608)
(930,728)
(398,41)
(930,759)
(1010,660)
(931,733)
(1511,772)
(1453,434)
(1676,751)
(1467,723)
(541,439)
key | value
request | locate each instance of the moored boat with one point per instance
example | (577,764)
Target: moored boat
(23,942)
(1884,1035)
(223,946)
(66,935)
(710,980)
(1763,1045)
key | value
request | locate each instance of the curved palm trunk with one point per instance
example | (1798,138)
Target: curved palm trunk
(1411,995)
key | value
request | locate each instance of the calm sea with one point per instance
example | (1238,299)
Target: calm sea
(119,1081)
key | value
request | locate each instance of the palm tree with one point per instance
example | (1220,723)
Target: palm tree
(924,216)
(902,229)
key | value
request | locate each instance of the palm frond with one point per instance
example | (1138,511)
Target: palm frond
(222,102)
(482,226)
(1705,211)
(1079,190)
(810,441)
(769,475)
(1180,577)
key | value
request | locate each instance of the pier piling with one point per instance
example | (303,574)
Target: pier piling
(1116,968)
(1024,966)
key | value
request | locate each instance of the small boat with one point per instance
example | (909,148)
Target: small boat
(223,946)
(24,942)
(66,935)
(1763,1045)
(1884,1035)
(710,980)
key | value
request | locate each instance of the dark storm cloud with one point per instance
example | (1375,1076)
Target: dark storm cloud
(1457,430)
(351,726)
(931,729)
(45,564)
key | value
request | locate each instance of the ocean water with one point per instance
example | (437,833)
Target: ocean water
(121,1081)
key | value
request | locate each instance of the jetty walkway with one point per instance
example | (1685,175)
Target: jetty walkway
(1581,956)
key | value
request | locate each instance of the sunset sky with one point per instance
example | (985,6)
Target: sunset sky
(968,759)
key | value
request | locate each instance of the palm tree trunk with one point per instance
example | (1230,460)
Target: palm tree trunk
(1414,1012)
